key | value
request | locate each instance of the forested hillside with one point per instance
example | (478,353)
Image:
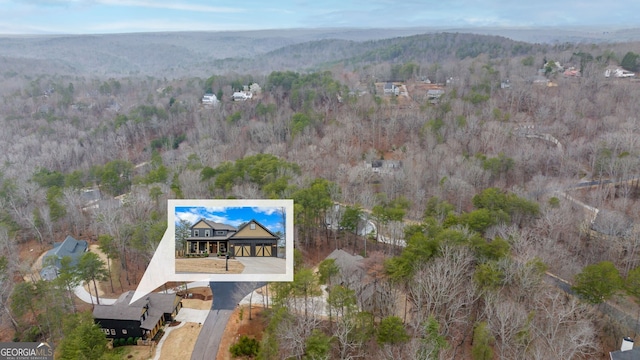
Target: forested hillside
(511,171)
(180,55)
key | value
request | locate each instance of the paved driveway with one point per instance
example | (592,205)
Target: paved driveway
(192,315)
(84,295)
(226,296)
(263,265)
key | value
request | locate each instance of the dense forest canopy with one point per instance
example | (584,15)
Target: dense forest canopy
(480,174)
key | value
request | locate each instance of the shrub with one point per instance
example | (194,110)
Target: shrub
(245,347)
(129,340)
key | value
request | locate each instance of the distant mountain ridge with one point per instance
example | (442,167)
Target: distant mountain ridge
(178,54)
(426,47)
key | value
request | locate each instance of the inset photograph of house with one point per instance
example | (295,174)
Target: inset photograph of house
(236,238)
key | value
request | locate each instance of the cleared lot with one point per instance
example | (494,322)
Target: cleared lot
(208,266)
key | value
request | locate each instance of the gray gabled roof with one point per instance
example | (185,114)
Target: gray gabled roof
(69,247)
(120,310)
(633,354)
(165,303)
(215,225)
(157,305)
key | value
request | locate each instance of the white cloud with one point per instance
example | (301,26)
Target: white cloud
(190,217)
(219,219)
(212,209)
(236,222)
(265,210)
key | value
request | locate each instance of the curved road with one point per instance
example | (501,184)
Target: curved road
(226,296)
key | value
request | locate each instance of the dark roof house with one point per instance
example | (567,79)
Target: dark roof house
(251,239)
(141,319)
(385,166)
(51,260)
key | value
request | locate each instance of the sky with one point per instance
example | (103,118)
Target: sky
(126,16)
(269,217)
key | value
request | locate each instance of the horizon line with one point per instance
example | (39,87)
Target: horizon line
(587,28)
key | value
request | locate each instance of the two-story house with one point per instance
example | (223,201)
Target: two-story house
(251,239)
(209,237)
(391,89)
(141,319)
(51,261)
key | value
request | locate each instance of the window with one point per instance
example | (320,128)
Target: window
(221,232)
(113,331)
(207,233)
(124,331)
(253,226)
(106,331)
(195,232)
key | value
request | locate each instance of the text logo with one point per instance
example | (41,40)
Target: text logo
(26,351)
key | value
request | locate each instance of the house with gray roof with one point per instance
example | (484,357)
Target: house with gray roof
(252,239)
(51,260)
(434,94)
(626,352)
(142,318)
(391,89)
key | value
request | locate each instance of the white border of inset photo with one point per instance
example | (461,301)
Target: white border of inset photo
(162,266)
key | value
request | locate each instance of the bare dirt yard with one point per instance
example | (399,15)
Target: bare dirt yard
(208,266)
(35,268)
(196,304)
(238,325)
(180,342)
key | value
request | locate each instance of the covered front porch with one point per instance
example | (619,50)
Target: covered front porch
(206,246)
